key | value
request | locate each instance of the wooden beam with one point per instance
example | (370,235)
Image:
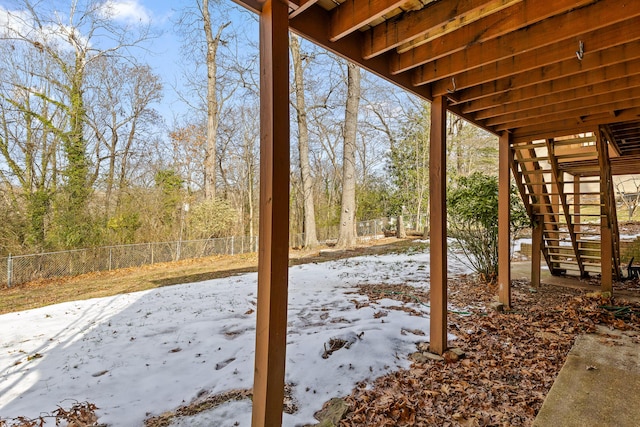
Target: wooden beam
(254,6)
(613,75)
(438,224)
(606,237)
(504,221)
(577,191)
(273,252)
(506,74)
(563,70)
(548,41)
(301,6)
(354,14)
(560,97)
(483,23)
(486,27)
(312,25)
(599,105)
(572,126)
(536,251)
(572,107)
(392,33)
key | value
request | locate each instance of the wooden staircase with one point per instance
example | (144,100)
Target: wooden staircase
(570,199)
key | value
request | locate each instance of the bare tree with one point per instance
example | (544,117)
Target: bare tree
(66,47)
(212,92)
(27,148)
(347,237)
(212,100)
(628,189)
(121,117)
(309,223)
(187,143)
(470,148)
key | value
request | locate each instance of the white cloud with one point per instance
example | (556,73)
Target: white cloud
(11,21)
(130,11)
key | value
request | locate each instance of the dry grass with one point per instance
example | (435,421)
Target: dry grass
(101,284)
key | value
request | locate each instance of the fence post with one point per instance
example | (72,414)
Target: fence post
(110,258)
(178,251)
(9,270)
(151,249)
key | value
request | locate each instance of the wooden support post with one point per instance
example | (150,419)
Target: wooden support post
(273,251)
(536,251)
(438,223)
(504,222)
(606,237)
(576,202)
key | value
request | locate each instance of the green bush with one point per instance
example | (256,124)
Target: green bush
(472,206)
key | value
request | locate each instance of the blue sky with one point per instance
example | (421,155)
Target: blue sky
(166,58)
(162,53)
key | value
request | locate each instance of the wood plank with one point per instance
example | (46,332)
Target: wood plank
(354,14)
(254,6)
(438,224)
(390,34)
(619,54)
(536,250)
(504,220)
(600,105)
(560,97)
(273,251)
(493,23)
(505,75)
(302,6)
(606,238)
(545,42)
(612,74)
(554,128)
(576,202)
(483,29)
(574,107)
(312,25)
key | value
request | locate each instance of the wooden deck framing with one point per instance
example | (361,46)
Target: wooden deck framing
(540,75)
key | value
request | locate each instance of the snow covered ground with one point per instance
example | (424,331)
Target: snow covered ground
(145,353)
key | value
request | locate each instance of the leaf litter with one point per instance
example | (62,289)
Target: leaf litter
(511,358)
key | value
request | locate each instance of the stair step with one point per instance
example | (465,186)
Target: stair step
(575,155)
(574,141)
(569,204)
(577,241)
(535,172)
(533,159)
(574,262)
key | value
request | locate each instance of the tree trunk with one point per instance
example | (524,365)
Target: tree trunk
(347,236)
(401,233)
(213,118)
(309,219)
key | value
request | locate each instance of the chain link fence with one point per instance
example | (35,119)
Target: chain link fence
(19,269)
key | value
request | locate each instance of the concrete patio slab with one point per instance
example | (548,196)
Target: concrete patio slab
(599,384)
